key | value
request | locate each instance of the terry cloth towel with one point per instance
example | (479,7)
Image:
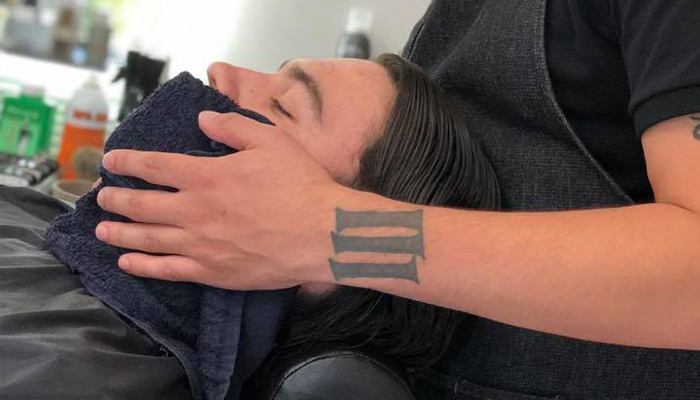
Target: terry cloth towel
(220,336)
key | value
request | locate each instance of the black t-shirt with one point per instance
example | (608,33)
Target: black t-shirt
(620,66)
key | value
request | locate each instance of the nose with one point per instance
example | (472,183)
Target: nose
(246,87)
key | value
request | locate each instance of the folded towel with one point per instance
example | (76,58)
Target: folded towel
(220,336)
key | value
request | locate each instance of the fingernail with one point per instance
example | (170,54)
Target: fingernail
(101,197)
(207,115)
(101,232)
(108,161)
(123,263)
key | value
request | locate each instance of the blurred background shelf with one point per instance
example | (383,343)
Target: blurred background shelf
(56,45)
(59,82)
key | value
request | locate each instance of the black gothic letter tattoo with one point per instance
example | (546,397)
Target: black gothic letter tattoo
(374,270)
(392,244)
(412,245)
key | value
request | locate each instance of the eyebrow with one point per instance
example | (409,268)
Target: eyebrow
(310,84)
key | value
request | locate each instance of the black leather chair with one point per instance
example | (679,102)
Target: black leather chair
(332,374)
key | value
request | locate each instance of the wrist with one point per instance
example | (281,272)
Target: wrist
(332,231)
(323,208)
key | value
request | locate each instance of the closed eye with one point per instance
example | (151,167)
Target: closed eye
(276,105)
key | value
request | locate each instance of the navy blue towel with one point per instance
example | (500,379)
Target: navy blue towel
(220,336)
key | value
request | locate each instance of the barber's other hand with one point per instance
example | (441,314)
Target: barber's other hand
(256,219)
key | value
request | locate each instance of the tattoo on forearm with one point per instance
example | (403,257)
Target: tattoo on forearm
(394,244)
(374,270)
(409,245)
(696,131)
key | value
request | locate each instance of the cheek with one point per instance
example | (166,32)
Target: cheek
(339,158)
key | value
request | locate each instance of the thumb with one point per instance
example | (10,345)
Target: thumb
(236,130)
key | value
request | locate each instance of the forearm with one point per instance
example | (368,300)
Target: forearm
(626,275)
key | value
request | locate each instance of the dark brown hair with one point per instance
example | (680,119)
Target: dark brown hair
(424,155)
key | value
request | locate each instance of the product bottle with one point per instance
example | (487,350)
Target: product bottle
(354,43)
(26,123)
(84,126)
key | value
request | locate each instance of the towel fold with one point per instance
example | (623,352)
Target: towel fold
(220,336)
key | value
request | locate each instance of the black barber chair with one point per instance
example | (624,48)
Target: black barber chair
(332,374)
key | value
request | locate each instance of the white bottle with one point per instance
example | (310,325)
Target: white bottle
(84,125)
(354,43)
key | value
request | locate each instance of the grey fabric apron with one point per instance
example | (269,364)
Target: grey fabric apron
(490,56)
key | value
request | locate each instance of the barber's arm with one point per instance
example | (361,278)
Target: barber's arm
(269,217)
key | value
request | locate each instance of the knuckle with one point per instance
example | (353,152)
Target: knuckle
(121,160)
(151,164)
(168,271)
(120,236)
(229,121)
(132,201)
(134,206)
(115,234)
(151,243)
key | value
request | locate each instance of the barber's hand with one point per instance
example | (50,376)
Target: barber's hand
(257,219)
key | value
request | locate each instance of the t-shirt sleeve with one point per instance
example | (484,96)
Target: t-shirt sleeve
(660,44)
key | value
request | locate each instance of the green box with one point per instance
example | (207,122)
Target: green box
(25,125)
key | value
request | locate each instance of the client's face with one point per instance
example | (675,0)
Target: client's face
(332,107)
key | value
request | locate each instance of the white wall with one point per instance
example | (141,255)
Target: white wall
(257,34)
(275,30)
(260,34)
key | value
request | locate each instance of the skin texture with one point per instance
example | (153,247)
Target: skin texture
(356,97)
(627,275)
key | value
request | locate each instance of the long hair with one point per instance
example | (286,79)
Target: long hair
(424,155)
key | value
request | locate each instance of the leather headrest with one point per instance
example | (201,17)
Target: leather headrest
(337,375)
